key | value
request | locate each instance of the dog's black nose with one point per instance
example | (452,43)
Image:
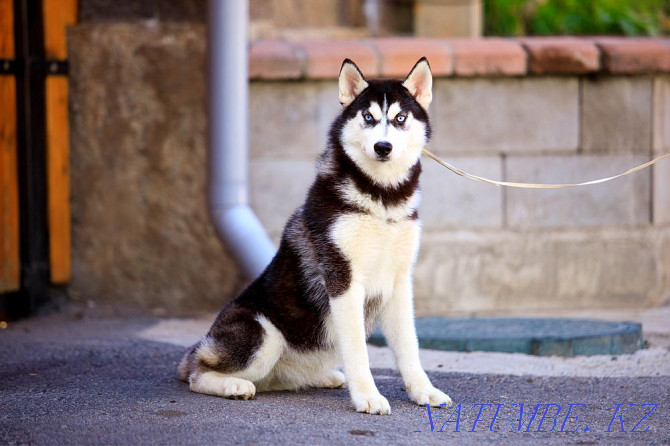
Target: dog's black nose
(383,148)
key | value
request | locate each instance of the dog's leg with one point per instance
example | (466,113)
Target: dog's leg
(205,378)
(397,323)
(347,312)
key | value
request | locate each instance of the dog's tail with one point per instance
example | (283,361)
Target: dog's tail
(187,364)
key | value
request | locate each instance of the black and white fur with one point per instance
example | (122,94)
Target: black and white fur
(344,263)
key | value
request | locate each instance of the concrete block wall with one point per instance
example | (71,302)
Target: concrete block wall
(531,110)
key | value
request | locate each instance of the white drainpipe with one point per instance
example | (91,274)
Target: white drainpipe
(238,226)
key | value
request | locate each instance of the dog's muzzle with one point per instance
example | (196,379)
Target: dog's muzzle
(383,149)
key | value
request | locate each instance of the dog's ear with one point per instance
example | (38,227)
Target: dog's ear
(351,82)
(419,82)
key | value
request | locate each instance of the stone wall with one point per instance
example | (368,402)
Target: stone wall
(141,230)
(533,110)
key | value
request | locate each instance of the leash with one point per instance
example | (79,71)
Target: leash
(470,176)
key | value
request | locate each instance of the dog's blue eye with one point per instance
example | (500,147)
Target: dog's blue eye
(400,119)
(368,117)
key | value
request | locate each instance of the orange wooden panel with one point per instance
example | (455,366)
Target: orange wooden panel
(7,29)
(58,178)
(9,182)
(58,14)
(9,188)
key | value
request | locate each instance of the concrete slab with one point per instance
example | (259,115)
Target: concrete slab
(451,202)
(616,115)
(475,271)
(491,116)
(625,202)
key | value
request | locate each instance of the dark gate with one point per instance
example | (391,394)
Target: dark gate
(34,152)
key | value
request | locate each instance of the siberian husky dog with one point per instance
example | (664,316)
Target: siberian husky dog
(344,263)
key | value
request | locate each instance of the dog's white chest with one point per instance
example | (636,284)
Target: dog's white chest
(378,251)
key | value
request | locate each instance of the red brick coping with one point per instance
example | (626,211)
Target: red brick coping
(393,56)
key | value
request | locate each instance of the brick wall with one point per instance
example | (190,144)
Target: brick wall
(533,110)
(529,110)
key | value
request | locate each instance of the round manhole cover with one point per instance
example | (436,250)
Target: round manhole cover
(541,337)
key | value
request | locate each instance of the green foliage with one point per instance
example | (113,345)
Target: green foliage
(552,17)
(504,17)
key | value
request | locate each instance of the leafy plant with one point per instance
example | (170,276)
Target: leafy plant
(551,17)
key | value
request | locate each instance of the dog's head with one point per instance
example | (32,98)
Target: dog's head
(384,124)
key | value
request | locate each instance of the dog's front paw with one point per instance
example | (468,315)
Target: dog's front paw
(371,402)
(429,395)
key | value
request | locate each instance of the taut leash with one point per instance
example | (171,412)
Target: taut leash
(470,176)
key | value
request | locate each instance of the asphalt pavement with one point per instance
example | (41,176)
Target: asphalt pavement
(75,378)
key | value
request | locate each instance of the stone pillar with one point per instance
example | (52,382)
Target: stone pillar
(448,18)
(388,17)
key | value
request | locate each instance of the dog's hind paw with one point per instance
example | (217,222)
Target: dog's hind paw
(372,402)
(213,383)
(429,395)
(236,388)
(333,380)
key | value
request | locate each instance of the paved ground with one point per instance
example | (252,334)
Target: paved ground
(75,378)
